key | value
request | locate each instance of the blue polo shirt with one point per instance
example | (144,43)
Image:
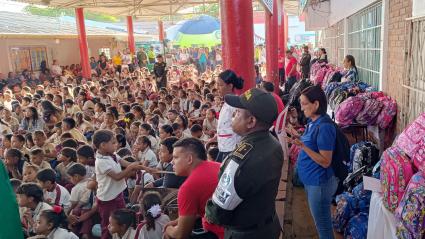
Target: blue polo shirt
(317,136)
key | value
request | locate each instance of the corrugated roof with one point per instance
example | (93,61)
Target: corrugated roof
(20,23)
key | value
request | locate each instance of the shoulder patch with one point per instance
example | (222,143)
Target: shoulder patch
(242,150)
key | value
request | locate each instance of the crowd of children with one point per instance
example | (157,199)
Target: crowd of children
(79,151)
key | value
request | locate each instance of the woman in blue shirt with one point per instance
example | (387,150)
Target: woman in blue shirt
(352,73)
(314,161)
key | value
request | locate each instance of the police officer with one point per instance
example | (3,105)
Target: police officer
(159,69)
(244,200)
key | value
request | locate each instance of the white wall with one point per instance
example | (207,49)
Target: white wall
(344,8)
(418,8)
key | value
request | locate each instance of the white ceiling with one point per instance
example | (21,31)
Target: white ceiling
(140,8)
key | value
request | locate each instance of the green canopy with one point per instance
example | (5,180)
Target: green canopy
(205,40)
(10,222)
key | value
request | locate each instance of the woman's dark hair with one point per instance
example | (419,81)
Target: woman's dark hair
(31,190)
(184,120)
(70,153)
(149,200)
(315,93)
(169,142)
(323,50)
(34,114)
(148,128)
(102,136)
(230,77)
(58,219)
(125,217)
(167,129)
(49,106)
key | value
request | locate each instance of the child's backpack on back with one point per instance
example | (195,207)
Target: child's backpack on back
(396,171)
(410,214)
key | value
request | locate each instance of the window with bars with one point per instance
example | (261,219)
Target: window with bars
(332,40)
(27,58)
(107,52)
(364,43)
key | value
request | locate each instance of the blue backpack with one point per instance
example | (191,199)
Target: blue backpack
(357,227)
(346,205)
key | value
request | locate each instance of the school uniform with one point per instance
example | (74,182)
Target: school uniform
(148,155)
(226,138)
(62,234)
(81,194)
(129,234)
(59,196)
(109,191)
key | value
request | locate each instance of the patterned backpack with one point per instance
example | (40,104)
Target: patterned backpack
(389,111)
(396,171)
(370,112)
(337,97)
(346,205)
(363,154)
(357,227)
(363,198)
(330,88)
(348,110)
(419,156)
(320,75)
(410,214)
(409,139)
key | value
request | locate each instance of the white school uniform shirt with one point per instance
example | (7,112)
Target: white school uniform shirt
(65,197)
(62,234)
(107,187)
(81,194)
(226,138)
(129,234)
(148,155)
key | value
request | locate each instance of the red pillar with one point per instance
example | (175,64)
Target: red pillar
(237,37)
(272,69)
(161,31)
(130,32)
(82,41)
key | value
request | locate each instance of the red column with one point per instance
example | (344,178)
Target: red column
(161,31)
(82,41)
(272,69)
(237,37)
(130,32)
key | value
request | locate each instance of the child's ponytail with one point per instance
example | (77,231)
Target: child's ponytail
(152,209)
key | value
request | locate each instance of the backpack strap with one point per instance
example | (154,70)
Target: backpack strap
(58,195)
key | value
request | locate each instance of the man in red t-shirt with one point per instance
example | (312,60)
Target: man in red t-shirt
(290,71)
(189,159)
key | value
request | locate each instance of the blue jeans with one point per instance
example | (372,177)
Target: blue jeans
(319,201)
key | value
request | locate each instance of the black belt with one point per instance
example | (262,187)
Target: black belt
(265,222)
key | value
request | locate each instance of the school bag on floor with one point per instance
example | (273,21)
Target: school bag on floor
(348,110)
(396,171)
(389,111)
(370,112)
(410,214)
(357,227)
(409,139)
(346,205)
(363,198)
(364,153)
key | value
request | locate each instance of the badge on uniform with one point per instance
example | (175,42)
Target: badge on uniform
(242,150)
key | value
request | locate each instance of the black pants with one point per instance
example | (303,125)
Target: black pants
(281,75)
(289,83)
(269,231)
(204,235)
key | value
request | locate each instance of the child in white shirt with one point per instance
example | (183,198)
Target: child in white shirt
(54,194)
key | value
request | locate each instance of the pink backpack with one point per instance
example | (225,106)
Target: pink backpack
(410,214)
(419,156)
(370,112)
(396,171)
(320,75)
(409,139)
(389,111)
(348,110)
